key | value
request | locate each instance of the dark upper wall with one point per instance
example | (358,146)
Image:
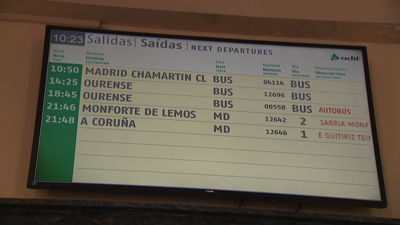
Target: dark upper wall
(356,20)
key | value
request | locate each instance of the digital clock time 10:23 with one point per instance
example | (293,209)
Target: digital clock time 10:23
(67,37)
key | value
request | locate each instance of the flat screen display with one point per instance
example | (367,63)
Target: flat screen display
(205,114)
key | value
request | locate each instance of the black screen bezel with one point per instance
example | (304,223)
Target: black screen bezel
(297,198)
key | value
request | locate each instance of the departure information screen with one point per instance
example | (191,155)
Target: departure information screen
(149,110)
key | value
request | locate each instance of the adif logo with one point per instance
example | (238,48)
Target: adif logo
(334,57)
(350,58)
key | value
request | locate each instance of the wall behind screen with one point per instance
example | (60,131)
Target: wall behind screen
(21,46)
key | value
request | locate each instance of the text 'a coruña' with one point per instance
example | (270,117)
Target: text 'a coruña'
(110,122)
